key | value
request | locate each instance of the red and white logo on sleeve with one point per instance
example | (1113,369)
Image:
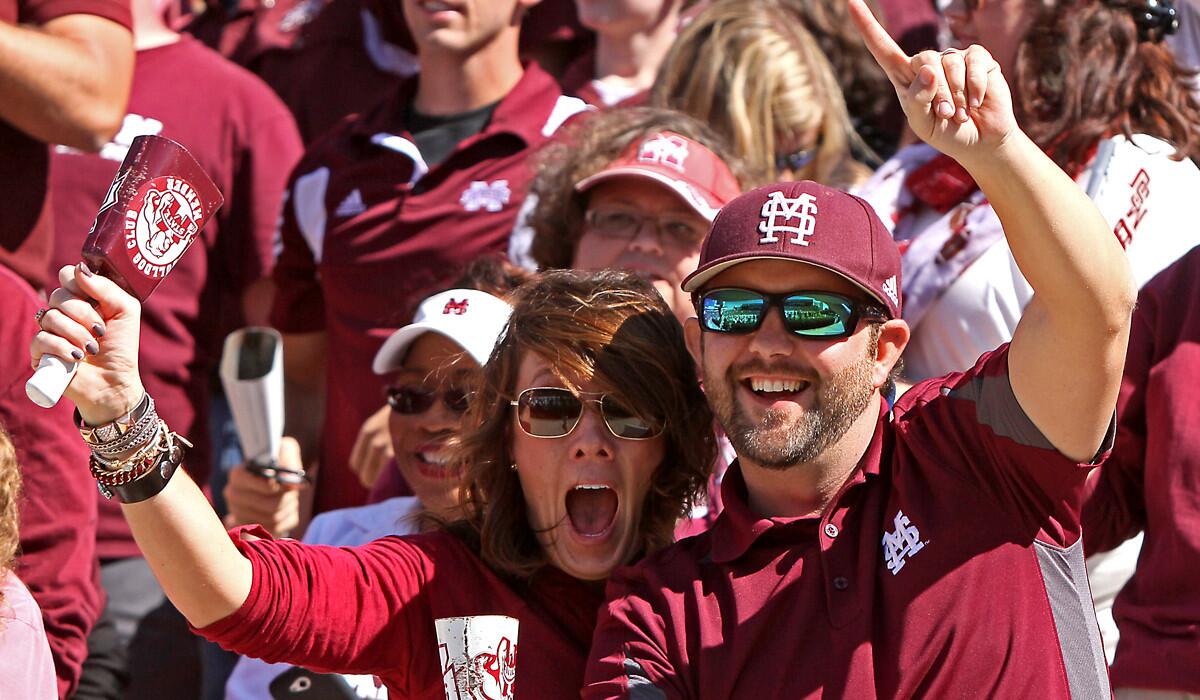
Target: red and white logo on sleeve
(160,223)
(478,656)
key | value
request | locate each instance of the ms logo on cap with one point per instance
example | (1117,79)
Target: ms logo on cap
(456,307)
(665,149)
(778,210)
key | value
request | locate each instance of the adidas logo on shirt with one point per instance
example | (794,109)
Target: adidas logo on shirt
(352,205)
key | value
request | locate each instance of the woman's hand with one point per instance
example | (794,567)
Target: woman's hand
(957,100)
(93,322)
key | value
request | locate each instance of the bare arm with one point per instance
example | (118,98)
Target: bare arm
(182,538)
(1066,355)
(67,81)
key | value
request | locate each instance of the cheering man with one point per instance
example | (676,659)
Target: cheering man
(931,548)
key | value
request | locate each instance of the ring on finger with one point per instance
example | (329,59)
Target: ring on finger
(37,317)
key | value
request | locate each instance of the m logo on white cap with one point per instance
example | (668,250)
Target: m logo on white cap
(457,307)
(778,210)
(664,149)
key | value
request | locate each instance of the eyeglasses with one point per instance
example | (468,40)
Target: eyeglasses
(410,400)
(552,412)
(807,314)
(624,224)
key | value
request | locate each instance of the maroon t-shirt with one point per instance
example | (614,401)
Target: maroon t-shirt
(949,565)
(368,225)
(372,610)
(57,561)
(25,226)
(1152,483)
(244,138)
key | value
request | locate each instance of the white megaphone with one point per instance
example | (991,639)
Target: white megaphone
(252,375)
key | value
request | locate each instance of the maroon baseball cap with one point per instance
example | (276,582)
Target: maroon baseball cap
(809,223)
(693,172)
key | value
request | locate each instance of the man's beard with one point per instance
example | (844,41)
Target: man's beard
(777,443)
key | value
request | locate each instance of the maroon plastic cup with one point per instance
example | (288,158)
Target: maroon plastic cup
(155,208)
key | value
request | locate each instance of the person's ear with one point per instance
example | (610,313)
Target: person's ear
(893,338)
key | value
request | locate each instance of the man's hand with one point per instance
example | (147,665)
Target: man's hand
(373,447)
(254,499)
(957,100)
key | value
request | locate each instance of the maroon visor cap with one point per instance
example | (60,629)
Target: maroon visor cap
(809,223)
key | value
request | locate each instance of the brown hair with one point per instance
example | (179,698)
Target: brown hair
(10,491)
(611,326)
(1082,74)
(586,148)
(752,70)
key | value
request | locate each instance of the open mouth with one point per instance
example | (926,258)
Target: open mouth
(775,389)
(592,509)
(435,6)
(433,464)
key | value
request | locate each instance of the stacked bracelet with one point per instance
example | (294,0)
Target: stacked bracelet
(134,456)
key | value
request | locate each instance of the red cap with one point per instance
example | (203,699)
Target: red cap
(809,223)
(692,171)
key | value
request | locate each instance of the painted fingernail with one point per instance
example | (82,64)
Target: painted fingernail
(97,330)
(87,272)
(77,354)
(92,347)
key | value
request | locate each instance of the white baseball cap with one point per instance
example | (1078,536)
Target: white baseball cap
(473,319)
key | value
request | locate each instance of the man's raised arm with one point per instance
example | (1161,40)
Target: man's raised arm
(1068,350)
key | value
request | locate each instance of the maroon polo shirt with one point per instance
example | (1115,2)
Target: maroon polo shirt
(371,610)
(25,234)
(244,138)
(1152,483)
(368,225)
(949,565)
(57,561)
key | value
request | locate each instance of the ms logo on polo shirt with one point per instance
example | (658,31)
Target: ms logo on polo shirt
(779,210)
(481,195)
(664,149)
(901,544)
(456,307)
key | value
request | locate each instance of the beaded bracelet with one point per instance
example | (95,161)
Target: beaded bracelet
(134,456)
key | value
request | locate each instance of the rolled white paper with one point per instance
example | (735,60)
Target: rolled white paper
(50,380)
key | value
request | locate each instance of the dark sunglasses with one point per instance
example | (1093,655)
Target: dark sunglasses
(553,412)
(807,314)
(410,400)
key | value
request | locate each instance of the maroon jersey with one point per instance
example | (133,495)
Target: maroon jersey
(25,233)
(246,141)
(948,565)
(369,225)
(57,560)
(1152,483)
(375,609)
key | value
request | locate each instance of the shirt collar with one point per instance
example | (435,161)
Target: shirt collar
(738,527)
(523,112)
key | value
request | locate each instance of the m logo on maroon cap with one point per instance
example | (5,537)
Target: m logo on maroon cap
(778,210)
(664,149)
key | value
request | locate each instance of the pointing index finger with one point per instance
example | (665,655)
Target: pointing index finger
(887,53)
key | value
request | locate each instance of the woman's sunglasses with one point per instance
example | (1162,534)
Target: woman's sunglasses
(410,400)
(807,314)
(553,412)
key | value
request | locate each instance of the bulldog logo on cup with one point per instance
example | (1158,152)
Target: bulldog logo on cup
(478,656)
(160,222)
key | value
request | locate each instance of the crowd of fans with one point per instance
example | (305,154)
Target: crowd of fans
(696,348)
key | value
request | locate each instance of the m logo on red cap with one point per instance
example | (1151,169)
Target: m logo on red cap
(456,307)
(778,210)
(664,149)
